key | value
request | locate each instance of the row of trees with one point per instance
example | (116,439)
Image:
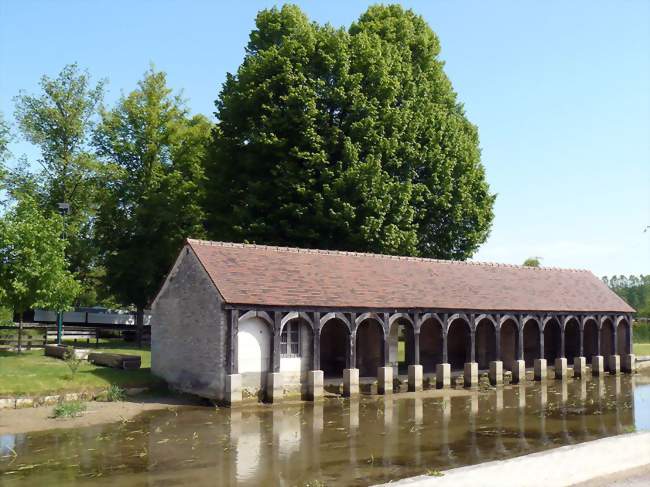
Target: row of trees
(348,139)
(635,290)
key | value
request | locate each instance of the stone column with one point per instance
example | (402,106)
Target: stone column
(315,383)
(443,375)
(628,363)
(496,372)
(385,380)
(519,371)
(579,367)
(541,369)
(415,378)
(233,393)
(614,364)
(274,387)
(350,382)
(470,374)
(597,365)
(561,368)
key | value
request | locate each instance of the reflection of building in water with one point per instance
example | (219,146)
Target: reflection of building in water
(236,321)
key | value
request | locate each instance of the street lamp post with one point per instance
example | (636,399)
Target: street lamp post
(64,208)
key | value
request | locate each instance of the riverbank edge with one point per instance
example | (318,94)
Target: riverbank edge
(24,402)
(562,466)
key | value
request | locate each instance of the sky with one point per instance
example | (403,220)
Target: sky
(560,92)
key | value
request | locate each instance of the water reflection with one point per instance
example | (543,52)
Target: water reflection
(340,442)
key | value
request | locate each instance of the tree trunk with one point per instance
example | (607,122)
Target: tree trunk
(139,324)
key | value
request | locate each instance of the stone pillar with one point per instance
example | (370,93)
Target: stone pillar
(471,374)
(561,368)
(597,365)
(274,387)
(579,367)
(541,369)
(384,380)
(350,382)
(443,375)
(315,382)
(519,371)
(233,393)
(614,364)
(628,364)
(415,378)
(496,373)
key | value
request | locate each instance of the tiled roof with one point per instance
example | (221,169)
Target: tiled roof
(281,276)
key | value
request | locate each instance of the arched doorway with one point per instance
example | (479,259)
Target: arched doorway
(590,339)
(486,348)
(531,342)
(572,340)
(370,347)
(552,340)
(607,337)
(458,344)
(334,345)
(623,338)
(401,345)
(508,337)
(254,353)
(430,345)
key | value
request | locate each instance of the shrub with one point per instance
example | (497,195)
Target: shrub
(69,409)
(115,393)
(72,361)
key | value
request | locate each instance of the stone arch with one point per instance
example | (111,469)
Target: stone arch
(401,346)
(590,338)
(263,315)
(369,316)
(295,315)
(334,344)
(485,340)
(552,339)
(571,338)
(336,316)
(607,337)
(458,316)
(431,330)
(459,345)
(254,337)
(370,344)
(509,334)
(426,317)
(623,335)
(530,329)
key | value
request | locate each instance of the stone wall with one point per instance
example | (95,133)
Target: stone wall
(188,331)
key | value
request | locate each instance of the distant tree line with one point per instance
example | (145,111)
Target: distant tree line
(635,290)
(349,139)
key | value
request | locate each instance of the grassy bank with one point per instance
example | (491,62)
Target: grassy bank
(641,338)
(32,373)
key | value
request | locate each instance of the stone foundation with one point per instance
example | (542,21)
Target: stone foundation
(541,369)
(443,375)
(579,367)
(496,373)
(385,380)
(518,371)
(597,365)
(315,381)
(415,378)
(350,382)
(470,374)
(561,368)
(274,387)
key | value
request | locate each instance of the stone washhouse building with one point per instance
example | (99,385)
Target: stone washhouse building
(235,322)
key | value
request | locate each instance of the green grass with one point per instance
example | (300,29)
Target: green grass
(32,373)
(69,409)
(641,332)
(642,348)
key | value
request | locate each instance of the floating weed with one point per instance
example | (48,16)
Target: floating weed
(433,473)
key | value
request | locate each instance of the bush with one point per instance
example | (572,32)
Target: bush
(69,409)
(115,393)
(72,361)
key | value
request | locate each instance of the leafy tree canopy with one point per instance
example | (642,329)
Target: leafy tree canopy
(155,151)
(33,270)
(533,262)
(346,139)
(635,290)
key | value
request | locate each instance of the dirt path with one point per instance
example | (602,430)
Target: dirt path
(13,421)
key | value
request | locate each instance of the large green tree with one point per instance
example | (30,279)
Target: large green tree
(346,139)
(153,198)
(59,121)
(33,269)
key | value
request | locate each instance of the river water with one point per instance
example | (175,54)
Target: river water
(336,442)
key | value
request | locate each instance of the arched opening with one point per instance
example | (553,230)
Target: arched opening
(296,353)
(401,345)
(334,343)
(486,348)
(370,347)
(607,341)
(508,337)
(590,340)
(552,340)
(572,340)
(623,337)
(253,353)
(430,345)
(531,342)
(458,344)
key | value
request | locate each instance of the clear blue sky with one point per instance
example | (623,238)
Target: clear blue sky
(560,92)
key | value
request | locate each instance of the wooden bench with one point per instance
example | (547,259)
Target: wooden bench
(116,360)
